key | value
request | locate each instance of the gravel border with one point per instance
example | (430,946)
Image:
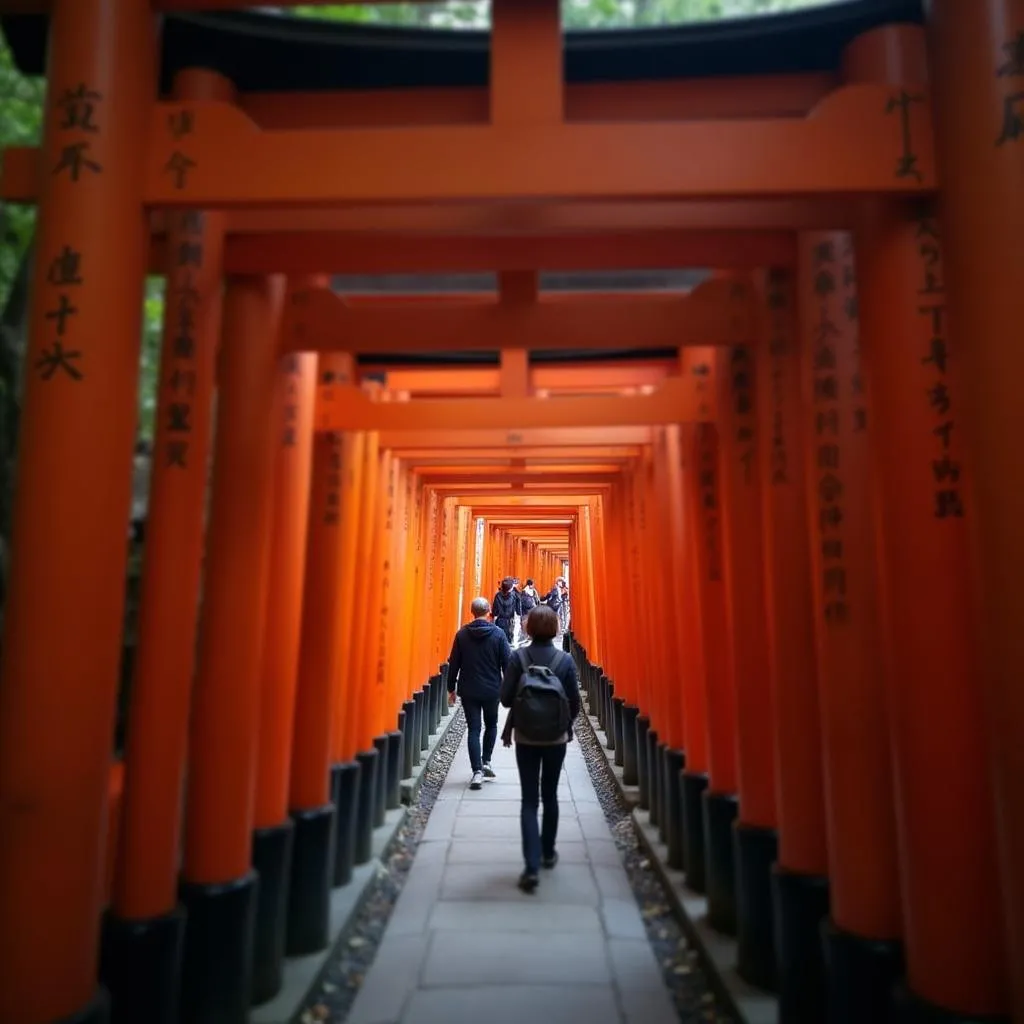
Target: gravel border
(684,978)
(331,998)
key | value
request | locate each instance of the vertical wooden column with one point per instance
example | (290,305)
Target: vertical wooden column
(690,622)
(862,943)
(362,693)
(753,837)
(719,800)
(955,949)
(65,589)
(219,888)
(977,71)
(142,936)
(800,876)
(324,781)
(274,832)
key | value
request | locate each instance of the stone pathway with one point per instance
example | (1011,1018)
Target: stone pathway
(464,944)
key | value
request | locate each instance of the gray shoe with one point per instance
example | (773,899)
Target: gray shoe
(477,782)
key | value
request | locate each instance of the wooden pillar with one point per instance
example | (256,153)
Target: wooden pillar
(863,940)
(800,876)
(219,888)
(142,935)
(65,589)
(691,617)
(274,833)
(977,68)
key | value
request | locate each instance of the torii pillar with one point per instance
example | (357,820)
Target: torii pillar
(977,64)
(65,602)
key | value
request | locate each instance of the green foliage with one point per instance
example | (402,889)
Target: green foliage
(21,121)
(576,14)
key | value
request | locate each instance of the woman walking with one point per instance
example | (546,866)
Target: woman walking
(541,689)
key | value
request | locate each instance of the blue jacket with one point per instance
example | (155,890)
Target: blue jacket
(478,658)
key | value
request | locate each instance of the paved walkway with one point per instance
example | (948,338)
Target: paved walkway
(465,945)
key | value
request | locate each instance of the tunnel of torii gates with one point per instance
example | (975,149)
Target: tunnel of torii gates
(794,533)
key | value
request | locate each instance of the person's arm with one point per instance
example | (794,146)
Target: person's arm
(572,688)
(509,680)
(454,664)
(505,653)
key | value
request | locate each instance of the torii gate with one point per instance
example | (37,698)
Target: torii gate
(881,635)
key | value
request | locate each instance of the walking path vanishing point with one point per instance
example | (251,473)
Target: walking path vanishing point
(463,943)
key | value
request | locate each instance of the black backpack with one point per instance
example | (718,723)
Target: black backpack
(541,709)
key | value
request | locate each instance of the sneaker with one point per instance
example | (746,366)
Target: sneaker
(477,781)
(528,882)
(550,862)
(489,771)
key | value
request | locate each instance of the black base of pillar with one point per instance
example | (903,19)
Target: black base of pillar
(801,908)
(754,852)
(396,752)
(694,785)
(601,707)
(860,975)
(309,901)
(436,689)
(629,759)
(653,778)
(609,716)
(382,745)
(217,955)
(418,715)
(406,721)
(367,803)
(426,717)
(618,725)
(720,810)
(140,966)
(445,710)
(97,1012)
(910,1009)
(272,861)
(643,776)
(674,762)
(345,792)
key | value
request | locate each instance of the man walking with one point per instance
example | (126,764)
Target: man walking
(479,656)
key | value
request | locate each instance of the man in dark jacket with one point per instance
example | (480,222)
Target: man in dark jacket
(506,608)
(480,654)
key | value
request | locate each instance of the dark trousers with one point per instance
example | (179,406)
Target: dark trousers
(505,625)
(488,711)
(539,769)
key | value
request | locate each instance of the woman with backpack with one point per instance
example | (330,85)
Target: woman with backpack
(542,691)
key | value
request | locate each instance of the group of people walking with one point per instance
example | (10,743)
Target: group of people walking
(512,604)
(537,682)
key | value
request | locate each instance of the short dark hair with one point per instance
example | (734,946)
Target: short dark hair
(542,623)
(529,583)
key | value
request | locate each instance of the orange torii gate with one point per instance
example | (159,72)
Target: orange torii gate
(830,411)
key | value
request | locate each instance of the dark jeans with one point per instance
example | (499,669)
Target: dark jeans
(506,626)
(488,710)
(539,769)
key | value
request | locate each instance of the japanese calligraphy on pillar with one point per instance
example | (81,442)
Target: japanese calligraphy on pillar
(78,126)
(290,413)
(332,493)
(701,374)
(935,361)
(181,125)
(60,358)
(907,161)
(741,388)
(385,604)
(708,497)
(1011,73)
(779,351)
(827,433)
(851,311)
(186,257)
